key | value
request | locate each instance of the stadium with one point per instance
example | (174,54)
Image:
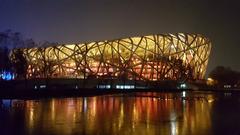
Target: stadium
(149,58)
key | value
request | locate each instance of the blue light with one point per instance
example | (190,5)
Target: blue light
(5,75)
(6,103)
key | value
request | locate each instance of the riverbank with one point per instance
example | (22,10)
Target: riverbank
(37,88)
(31,93)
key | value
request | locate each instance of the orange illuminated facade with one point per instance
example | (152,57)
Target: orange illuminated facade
(152,58)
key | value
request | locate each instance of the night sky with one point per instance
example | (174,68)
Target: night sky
(78,21)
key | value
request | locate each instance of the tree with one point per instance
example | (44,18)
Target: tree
(11,56)
(225,75)
(11,39)
(5,64)
(19,63)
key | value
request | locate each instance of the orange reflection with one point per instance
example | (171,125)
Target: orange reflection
(139,113)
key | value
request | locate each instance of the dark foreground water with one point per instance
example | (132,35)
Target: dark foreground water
(182,113)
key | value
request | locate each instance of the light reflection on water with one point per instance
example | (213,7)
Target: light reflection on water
(135,114)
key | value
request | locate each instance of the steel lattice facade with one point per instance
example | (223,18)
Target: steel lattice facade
(153,57)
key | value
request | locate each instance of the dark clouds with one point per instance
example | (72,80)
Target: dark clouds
(71,21)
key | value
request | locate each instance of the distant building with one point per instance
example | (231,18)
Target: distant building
(153,57)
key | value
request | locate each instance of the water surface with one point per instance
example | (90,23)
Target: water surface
(150,113)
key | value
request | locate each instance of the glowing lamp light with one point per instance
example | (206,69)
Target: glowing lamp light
(5,75)
(184,94)
(210,81)
(183,86)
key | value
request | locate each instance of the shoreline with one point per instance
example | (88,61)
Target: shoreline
(48,93)
(65,87)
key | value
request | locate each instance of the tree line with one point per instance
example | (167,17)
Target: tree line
(12,59)
(225,76)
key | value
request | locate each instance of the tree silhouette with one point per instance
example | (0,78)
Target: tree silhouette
(5,64)
(19,63)
(13,60)
(225,75)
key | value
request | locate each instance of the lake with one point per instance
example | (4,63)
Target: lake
(146,113)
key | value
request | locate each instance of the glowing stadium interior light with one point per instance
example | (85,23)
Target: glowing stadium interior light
(153,57)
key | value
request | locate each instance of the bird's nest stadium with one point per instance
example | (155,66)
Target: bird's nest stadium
(151,58)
